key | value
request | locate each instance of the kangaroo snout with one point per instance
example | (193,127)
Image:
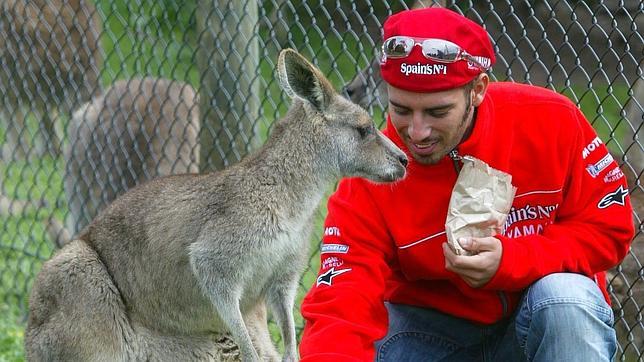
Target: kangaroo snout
(403,160)
(400,167)
(397,160)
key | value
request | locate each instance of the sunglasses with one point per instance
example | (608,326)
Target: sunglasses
(438,50)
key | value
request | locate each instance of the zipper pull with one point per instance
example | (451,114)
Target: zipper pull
(456,158)
(453,154)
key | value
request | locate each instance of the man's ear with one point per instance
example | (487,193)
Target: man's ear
(479,88)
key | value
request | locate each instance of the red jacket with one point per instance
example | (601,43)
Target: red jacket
(571,213)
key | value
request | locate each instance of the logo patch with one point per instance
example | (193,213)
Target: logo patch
(332,231)
(591,147)
(423,69)
(334,248)
(529,212)
(595,169)
(328,276)
(485,62)
(613,175)
(528,219)
(616,197)
(331,262)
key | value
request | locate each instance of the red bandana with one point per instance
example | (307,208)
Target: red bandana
(417,73)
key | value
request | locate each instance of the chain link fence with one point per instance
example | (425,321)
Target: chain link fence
(98,96)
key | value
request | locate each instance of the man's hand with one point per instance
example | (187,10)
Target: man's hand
(479,268)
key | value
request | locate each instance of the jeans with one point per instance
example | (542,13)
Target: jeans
(562,317)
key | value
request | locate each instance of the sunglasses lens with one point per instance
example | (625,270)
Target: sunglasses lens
(441,50)
(398,47)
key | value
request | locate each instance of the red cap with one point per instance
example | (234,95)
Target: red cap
(415,72)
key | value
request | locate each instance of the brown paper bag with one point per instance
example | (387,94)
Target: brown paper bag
(480,202)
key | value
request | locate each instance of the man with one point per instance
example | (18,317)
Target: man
(390,287)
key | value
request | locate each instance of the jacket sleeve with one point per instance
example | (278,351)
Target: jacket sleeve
(344,310)
(593,228)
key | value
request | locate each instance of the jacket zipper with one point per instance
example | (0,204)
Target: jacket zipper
(457,160)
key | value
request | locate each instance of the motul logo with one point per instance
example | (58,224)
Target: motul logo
(332,231)
(591,147)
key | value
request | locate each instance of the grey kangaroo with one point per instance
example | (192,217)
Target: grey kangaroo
(50,56)
(136,130)
(181,257)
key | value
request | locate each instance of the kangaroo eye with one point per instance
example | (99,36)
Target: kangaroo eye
(365,131)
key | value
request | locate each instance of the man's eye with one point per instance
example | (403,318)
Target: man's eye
(437,113)
(401,111)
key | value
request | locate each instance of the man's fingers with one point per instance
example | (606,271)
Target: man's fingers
(469,244)
(477,245)
(462,262)
(476,270)
(474,277)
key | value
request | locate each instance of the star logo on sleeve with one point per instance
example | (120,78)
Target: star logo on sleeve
(616,197)
(328,276)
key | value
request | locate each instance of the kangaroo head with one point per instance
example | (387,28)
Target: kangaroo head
(368,88)
(344,134)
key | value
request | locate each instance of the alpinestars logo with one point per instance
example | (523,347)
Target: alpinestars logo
(328,276)
(617,197)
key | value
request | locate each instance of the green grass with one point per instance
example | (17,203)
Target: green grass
(148,38)
(23,245)
(11,334)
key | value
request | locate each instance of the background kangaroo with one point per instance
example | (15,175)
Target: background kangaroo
(50,56)
(180,257)
(136,130)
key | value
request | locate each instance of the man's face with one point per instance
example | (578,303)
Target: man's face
(432,124)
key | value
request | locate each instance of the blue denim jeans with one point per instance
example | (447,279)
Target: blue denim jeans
(562,317)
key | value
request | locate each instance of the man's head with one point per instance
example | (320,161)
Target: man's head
(434,61)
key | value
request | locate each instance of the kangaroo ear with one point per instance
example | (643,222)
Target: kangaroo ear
(299,78)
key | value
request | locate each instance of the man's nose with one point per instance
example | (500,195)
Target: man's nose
(419,129)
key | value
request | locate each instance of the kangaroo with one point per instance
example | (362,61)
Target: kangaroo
(50,56)
(367,88)
(136,130)
(181,257)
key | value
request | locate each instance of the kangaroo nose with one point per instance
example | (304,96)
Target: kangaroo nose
(403,160)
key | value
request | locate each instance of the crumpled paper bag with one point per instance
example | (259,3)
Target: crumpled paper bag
(480,202)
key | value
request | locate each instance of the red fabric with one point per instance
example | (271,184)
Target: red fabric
(393,233)
(434,23)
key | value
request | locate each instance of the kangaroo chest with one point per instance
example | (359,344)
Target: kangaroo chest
(279,257)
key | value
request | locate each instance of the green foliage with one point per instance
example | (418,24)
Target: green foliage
(603,107)
(148,38)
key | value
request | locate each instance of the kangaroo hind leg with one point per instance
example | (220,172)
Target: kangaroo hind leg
(75,310)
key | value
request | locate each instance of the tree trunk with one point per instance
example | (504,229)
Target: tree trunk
(228,62)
